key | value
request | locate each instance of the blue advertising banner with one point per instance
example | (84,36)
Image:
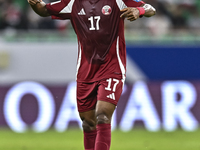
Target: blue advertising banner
(167,63)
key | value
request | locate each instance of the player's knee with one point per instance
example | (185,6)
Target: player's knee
(88,125)
(102,119)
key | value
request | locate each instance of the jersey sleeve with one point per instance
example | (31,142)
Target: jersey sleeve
(59,9)
(129,3)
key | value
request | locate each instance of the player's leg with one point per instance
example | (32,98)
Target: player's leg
(109,92)
(89,129)
(104,111)
(86,101)
(88,120)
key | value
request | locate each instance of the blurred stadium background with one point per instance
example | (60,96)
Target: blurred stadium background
(159,107)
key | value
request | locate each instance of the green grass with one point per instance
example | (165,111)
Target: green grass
(137,139)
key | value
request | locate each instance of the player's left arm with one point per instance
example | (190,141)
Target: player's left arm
(133,13)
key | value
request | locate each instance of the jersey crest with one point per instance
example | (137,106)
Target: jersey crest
(106,10)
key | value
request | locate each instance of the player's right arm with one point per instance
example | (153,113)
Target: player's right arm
(39,7)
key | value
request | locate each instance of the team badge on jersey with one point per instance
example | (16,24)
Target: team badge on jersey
(137,0)
(106,10)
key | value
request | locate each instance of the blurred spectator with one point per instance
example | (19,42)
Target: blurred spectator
(171,14)
(10,14)
(159,25)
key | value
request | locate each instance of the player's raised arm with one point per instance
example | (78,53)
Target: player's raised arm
(39,7)
(133,13)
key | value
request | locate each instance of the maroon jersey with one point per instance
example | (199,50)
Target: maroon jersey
(100,33)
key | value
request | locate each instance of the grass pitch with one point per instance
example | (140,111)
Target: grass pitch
(137,139)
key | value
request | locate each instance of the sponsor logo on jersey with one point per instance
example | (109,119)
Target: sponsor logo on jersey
(137,0)
(106,10)
(82,12)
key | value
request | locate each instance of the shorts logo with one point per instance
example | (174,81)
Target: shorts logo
(106,10)
(137,0)
(111,96)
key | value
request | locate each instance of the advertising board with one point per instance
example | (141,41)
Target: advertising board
(160,105)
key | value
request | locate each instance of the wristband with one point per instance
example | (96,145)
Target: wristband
(141,10)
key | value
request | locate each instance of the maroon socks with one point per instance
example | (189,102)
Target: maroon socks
(103,138)
(89,140)
(99,139)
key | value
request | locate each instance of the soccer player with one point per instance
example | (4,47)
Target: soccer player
(101,64)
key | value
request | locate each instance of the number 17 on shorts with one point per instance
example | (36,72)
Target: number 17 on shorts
(110,90)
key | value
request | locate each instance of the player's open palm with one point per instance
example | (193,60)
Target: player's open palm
(33,2)
(131,13)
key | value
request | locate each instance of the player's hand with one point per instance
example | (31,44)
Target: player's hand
(131,13)
(34,2)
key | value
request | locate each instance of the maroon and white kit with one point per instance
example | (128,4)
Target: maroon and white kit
(101,42)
